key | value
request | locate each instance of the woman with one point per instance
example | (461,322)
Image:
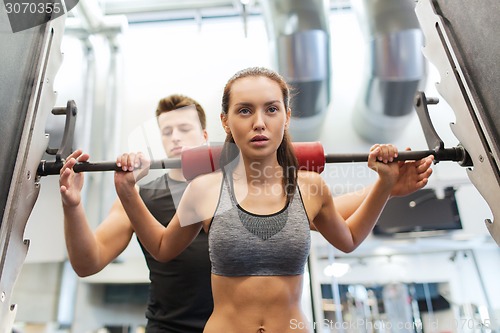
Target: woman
(258,209)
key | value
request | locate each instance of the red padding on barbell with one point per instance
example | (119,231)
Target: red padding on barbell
(205,159)
(200,160)
(310,156)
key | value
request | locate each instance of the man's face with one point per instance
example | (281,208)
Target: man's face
(180,128)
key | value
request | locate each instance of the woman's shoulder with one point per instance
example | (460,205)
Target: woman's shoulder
(206,182)
(200,198)
(309,177)
(311,184)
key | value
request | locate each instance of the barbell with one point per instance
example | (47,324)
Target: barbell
(205,159)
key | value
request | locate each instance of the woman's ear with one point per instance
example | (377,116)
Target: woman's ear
(288,116)
(223,120)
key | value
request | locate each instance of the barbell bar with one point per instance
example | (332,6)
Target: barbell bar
(310,156)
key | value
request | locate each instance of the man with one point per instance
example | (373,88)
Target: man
(180,298)
(180,293)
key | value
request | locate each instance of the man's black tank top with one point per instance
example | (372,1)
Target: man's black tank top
(180,295)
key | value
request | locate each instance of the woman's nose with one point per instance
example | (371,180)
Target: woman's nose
(259,123)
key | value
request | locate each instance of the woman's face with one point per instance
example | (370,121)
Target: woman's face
(256,117)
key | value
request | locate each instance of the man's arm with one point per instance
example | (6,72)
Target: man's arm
(413,175)
(89,252)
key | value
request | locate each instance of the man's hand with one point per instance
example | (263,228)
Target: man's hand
(413,175)
(71,183)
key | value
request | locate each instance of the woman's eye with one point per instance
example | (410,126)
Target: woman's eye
(273,109)
(244,111)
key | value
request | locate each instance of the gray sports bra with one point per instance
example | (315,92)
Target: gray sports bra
(243,244)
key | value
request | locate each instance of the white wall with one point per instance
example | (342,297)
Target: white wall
(184,57)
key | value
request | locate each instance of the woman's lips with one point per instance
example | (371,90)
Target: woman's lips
(259,140)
